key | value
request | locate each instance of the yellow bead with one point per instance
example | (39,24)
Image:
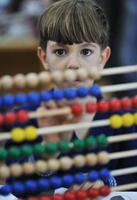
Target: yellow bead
(31,133)
(128,120)
(116,121)
(135,118)
(18,135)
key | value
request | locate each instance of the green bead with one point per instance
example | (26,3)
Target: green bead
(63,146)
(39,149)
(14,153)
(79,144)
(26,150)
(3,154)
(91,142)
(51,148)
(102,140)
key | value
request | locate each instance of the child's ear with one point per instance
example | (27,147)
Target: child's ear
(105,54)
(42,56)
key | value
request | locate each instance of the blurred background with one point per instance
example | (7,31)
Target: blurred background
(19,39)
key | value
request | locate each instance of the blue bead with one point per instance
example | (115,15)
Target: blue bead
(33,98)
(18,188)
(55,182)
(8,100)
(43,184)
(58,94)
(95,91)
(79,178)
(70,93)
(104,174)
(93,176)
(5,190)
(31,186)
(68,181)
(21,99)
(46,96)
(82,91)
(1,102)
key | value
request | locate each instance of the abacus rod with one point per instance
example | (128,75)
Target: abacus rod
(125,187)
(123,154)
(119,138)
(124,171)
(119,70)
(119,87)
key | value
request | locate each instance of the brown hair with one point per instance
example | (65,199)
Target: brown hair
(74,21)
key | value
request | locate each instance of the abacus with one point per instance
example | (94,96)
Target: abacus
(35,168)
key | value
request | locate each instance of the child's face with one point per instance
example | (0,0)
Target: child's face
(84,55)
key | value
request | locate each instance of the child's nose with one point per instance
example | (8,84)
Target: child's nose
(73,64)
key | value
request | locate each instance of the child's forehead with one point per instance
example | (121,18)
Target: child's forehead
(54,44)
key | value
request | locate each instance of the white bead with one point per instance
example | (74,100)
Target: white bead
(57,76)
(28,168)
(44,77)
(6,82)
(79,161)
(4,172)
(32,79)
(82,74)
(103,157)
(41,166)
(91,159)
(16,170)
(70,75)
(66,163)
(53,164)
(19,81)
(94,73)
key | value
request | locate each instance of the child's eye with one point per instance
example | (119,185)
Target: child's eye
(60,52)
(86,52)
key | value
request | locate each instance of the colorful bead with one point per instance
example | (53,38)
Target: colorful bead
(39,149)
(31,186)
(93,193)
(79,145)
(93,176)
(16,170)
(46,96)
(28,168)
(1,119)
(18,135)
(19,81)
(77,109)
(58,94)
(90,142)
(21,99)
(82,91)
(67,181)
(79,178)
(91,159)
(41,166)
(31,133)
(103,106)
(18,188)
(103,157)
(63,146)
(95,91)
(5,190)
(66,163)
(44,77)
(22,116)
(91,107)
(128,120)
(116,121)
(14,153)
(79,161)
(134,102)
(69,195)
(126,103)
(115,104)
(81,195)
(70,93)
(51,148)
(8,100)
(102,140)
(3,154)
(10,118)
(56,182)
(104,191)
(33,98)
(54,164)
(43,184)
(26,150)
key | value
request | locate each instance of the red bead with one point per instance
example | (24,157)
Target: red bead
(115,104)
(77,109)
(134,101)
(81,195)
(32,198)
(104,191)
(1,119)
(44,198)
(93,193)
(10,118)
(103,106)
(126,103)
(69,196)
(91,107)
(22,116)
(57,197)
